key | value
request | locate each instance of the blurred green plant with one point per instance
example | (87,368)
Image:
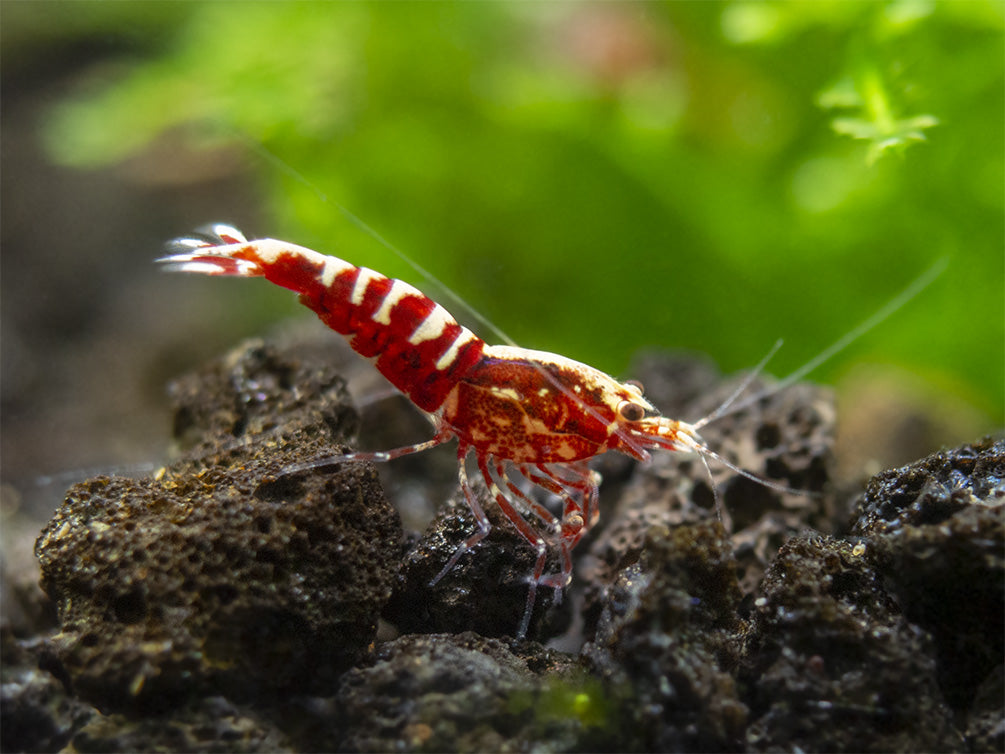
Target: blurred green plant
(877,124)
(598,178)
(867,90)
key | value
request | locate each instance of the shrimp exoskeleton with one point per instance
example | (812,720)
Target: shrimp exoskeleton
(527,417)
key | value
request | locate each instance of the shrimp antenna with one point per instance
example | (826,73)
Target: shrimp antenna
(898,301)
(704,450)
(715,491)
(742,386)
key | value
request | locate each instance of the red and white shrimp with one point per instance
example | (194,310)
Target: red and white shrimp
(526,416)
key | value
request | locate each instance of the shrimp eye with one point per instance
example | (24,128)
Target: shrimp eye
(636,386)
(632,412)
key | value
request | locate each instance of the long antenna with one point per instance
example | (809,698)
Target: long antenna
(917,286)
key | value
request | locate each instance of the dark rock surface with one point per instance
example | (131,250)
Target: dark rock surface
(215,576)
(668,632)
(936,530)
(485,592)
(211,724)
(36,710)
(831,664)
(225,606)
(443,692)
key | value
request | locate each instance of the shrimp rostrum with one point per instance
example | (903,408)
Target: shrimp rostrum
(528,418)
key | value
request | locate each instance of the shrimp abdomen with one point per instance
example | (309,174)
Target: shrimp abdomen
(413,341)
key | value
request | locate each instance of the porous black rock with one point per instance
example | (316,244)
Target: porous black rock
(221,574)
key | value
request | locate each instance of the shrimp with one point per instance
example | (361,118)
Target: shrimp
(527,417)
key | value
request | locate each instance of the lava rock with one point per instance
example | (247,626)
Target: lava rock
(936,532)
(211,724)
(221,574)
(831,664)
(36,711)
(486,590)
(986,721)
(667,633)
(463,692)
(225,605)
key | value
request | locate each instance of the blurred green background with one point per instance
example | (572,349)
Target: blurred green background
(594,178)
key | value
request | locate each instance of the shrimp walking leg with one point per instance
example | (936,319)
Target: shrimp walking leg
(484,525)
(379,456)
